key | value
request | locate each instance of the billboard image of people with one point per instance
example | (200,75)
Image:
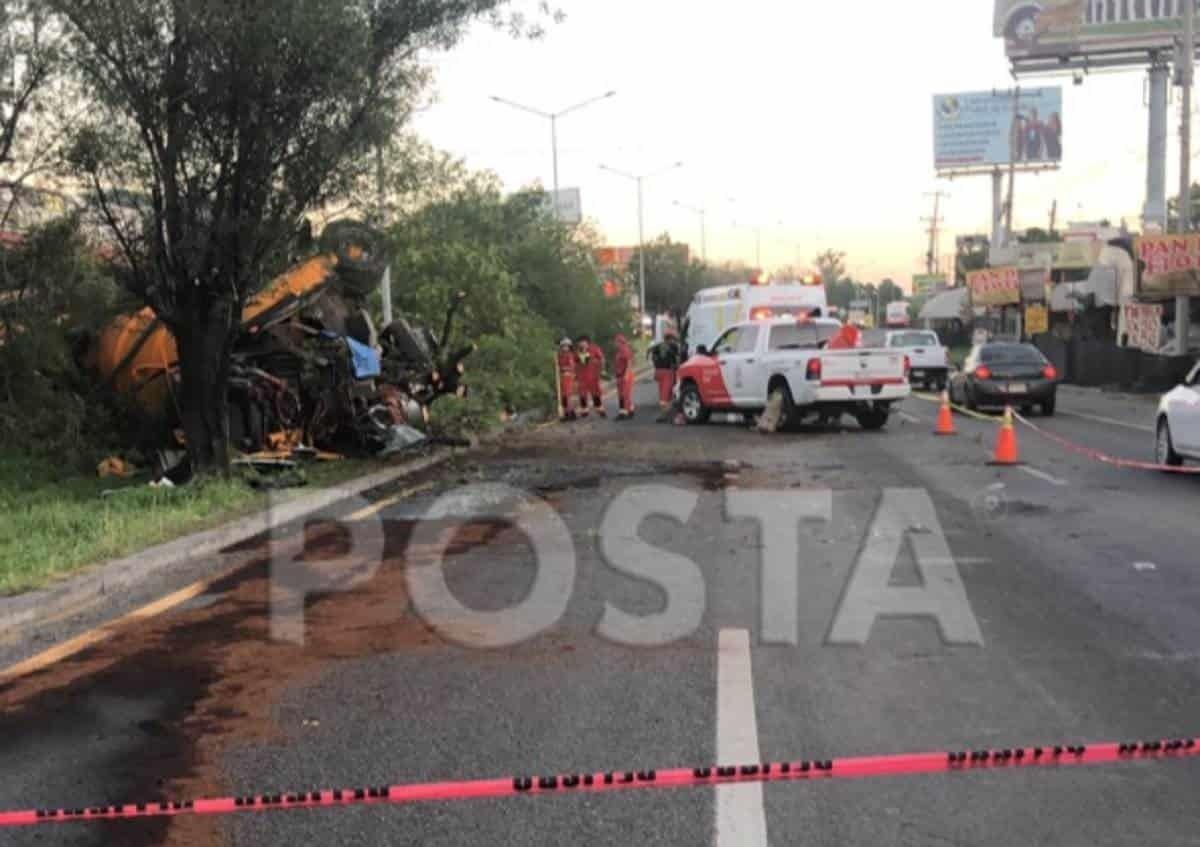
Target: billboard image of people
(989,129)
(1068,28)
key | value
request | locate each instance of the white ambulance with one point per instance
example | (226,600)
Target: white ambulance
(715,310)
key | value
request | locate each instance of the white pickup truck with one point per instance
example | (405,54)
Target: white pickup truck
(928,359)
(788,361)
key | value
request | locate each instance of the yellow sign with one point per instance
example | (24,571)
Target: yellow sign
(995,286)
(1037,320)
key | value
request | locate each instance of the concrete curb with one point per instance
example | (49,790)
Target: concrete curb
(77,594)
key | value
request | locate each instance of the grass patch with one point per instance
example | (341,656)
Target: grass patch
(57,522)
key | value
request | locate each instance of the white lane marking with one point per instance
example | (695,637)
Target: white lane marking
(1109,421)
(1043,476)
(1142,567)
(740,816)
(910,418)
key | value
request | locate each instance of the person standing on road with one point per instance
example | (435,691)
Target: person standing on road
(623,371)
(665,356)
(565,367)
(584,366)
(595,376)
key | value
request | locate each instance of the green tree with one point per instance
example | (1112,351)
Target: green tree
(235,119)
(672,278)
(528,280)
(831,265)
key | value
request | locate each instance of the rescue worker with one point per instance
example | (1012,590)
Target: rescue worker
(848,337)
(565,368)
(623,371)
(666,358)
(591,357)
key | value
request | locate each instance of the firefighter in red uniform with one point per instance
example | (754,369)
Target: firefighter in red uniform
(623,371)
(565,367)
(591,367)
(848,337)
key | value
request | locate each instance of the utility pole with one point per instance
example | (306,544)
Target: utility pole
(1187,66)
(1012,166)
(934,230)
(639,179)
(1053,216)
(385,287)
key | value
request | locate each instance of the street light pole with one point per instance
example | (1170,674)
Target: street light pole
(553,118)
(640,179)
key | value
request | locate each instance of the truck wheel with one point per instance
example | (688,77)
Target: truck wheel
(873,419)
(781,406)
(692,405)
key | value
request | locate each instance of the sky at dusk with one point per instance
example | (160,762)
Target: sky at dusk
(809,122)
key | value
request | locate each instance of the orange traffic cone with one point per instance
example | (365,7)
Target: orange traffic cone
(1006,442)
(945,419)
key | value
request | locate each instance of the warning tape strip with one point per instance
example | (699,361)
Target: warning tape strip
(848,768)
(1099,456)
(1078,449)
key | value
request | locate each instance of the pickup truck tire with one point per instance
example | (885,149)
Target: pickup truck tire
(692,405)
(781,398)
(872,419)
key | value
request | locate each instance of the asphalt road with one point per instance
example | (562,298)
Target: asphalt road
(1080,577)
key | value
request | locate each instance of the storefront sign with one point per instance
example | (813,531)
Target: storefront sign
(1143,325)
(995,286)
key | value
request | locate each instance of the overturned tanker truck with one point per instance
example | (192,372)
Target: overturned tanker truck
(309,367)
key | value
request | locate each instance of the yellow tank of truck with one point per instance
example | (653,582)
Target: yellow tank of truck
(135,354)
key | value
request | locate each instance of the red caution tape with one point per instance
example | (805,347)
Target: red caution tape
(537,786)
(1098,456)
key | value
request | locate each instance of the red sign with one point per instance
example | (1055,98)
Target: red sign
(995,286)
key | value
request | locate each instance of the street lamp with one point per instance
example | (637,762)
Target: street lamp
(702,212)
(639,179)
(553,118)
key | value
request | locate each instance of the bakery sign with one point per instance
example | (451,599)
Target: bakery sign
(995,286)
(1168,265)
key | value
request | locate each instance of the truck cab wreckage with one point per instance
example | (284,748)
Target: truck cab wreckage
(309,367)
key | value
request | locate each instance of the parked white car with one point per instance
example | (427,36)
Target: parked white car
(930,361)
(1178,429)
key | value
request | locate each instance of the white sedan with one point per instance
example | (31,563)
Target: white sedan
(1179,423)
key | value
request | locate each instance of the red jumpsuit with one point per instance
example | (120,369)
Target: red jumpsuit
(565,366)
(847,338)
(591,368)
(623,371)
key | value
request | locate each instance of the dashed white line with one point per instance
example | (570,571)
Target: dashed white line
(1109,421)
(1043,476)
(740,816)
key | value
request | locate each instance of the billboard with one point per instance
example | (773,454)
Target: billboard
(1170,266)
(995,286)
(1065,29)
(566,205)
(923,284)
(993,128)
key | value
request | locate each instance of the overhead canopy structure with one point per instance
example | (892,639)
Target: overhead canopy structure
(945,306)
(1100,284)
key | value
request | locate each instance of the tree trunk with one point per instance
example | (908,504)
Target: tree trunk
(205,344)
